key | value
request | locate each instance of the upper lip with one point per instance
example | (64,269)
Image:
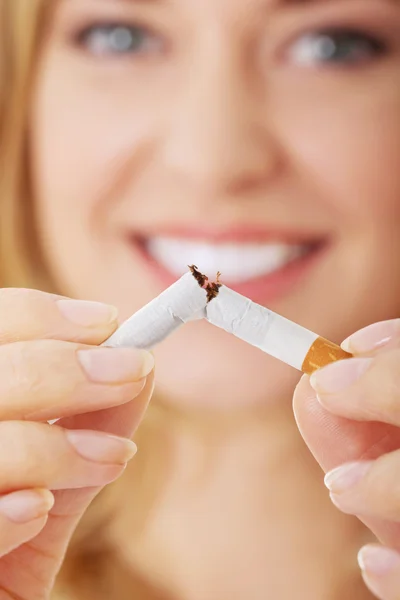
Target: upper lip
(238,233)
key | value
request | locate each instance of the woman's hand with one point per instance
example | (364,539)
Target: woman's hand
(349,416)
(51,367)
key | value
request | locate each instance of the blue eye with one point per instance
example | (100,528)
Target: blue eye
(118,39)
(336,47)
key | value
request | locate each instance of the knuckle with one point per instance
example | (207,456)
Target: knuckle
(10,295)
(25,314)
(12,299)
(38,368)
(20,368)
(25,452)
(14,437)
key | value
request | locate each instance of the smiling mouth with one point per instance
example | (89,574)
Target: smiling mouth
(261,269)
(239,262)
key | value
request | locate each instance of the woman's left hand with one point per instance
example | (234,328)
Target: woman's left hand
(349,416)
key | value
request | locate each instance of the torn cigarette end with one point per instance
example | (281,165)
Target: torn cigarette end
(199,277)
(321,353)
(185,300)
(212,288)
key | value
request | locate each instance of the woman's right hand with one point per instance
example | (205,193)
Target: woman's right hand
(51,367)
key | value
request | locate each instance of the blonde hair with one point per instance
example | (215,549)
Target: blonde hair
(91,568)
(22,25)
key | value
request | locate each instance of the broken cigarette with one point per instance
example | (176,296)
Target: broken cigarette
(268,331)
(183,301)
(193,297)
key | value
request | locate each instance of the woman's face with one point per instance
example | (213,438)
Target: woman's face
(258,138)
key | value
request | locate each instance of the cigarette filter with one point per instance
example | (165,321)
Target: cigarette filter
(183,301)
(268,331)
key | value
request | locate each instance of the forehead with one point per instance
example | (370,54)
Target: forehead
(264,3)
(242,6)
(243,3)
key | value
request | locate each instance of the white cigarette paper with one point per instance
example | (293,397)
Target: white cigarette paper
(183,301)
(187,300)
(277,336)
(260,327)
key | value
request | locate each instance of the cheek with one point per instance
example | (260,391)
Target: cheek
(80,153)
(348,145)
(85,147)
(83,157)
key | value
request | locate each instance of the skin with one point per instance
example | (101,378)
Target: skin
(41,457)
(312,167)
(358,426)
(324,160)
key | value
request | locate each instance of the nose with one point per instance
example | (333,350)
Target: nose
(219,136)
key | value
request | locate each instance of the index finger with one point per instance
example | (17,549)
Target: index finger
(30,314)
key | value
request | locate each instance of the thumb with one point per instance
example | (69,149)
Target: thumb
(335,440)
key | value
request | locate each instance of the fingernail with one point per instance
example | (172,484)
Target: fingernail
(378,560)
(26,505)
(344,477)
(372,337)
(116,365)
(101,447)
(340,375)
(87,313)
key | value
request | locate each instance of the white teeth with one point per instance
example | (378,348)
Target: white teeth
(237,262)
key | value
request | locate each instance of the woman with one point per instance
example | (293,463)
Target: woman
(261,139)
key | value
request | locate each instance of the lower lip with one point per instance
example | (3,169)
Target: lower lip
(263,290)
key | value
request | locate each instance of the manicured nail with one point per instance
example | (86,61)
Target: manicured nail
(101,447)
(378,560)
(340,375)
(344,477)
(87,313)
(116,365)
(372,337)
(26,505)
